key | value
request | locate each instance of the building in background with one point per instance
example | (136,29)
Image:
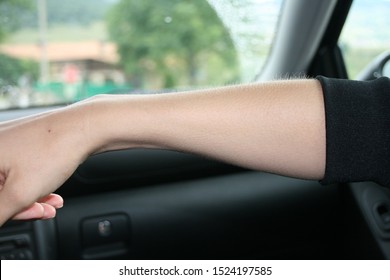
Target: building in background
(76,69)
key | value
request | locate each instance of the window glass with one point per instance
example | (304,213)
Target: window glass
(56,51)
(366,34)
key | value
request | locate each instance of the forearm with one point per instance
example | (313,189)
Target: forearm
(276,127)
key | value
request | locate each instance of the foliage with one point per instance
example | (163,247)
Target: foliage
(12,69)
(9,15)
(178,41)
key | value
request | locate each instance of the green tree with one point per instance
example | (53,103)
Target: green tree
(9,15)
(180,41)
(10,68)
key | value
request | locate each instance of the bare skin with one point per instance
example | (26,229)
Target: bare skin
(277,127)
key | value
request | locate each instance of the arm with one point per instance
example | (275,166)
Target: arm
(277,127)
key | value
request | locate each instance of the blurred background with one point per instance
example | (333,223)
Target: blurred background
(59,52)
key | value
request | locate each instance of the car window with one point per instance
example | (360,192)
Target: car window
(365,34)
(55,51)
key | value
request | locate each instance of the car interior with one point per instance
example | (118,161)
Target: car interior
(155,204)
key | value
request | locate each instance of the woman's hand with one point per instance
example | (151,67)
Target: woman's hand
(38,154)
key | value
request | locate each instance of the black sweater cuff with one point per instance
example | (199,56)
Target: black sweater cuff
(357,130)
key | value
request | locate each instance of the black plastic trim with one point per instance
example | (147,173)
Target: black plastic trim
(328,60)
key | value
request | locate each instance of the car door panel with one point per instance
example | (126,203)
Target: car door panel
(242,214)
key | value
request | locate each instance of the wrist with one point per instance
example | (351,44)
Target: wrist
(118,122)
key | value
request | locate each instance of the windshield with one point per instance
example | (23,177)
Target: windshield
(365,34)
(59,52)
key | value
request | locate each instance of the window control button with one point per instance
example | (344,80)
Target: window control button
(105,229)
(382,216)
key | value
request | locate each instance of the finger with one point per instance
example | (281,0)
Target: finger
(54,200)
(41,211)
(45,208)
(49,211)
(34,211)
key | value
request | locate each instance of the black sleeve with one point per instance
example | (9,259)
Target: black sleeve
(357,130)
